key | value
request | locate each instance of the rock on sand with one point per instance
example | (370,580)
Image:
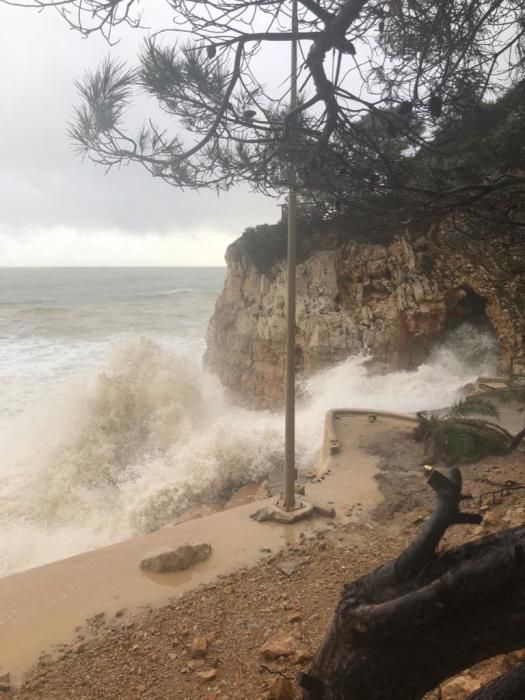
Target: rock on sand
(169,559)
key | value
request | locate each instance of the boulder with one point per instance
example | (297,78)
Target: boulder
(281,644)
(168,559)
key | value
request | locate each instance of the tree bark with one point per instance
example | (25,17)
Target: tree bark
(406,627)
(509,686)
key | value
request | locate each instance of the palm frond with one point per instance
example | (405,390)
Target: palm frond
(473,407)
(459,441)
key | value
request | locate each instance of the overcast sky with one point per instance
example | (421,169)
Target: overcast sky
(56,209)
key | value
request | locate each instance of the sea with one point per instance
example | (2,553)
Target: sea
(110,425)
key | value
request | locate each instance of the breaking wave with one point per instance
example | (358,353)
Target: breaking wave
(123,452)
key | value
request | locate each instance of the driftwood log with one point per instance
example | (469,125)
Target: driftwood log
(406,627)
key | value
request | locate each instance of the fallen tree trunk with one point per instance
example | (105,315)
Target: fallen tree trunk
(403,629)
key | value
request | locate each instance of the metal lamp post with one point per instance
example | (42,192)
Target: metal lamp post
(289,462)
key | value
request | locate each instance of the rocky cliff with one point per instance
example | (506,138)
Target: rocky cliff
(394,299)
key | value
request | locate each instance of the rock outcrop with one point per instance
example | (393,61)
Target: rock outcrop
(393,299)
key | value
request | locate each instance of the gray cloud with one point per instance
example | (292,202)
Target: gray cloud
(44,184)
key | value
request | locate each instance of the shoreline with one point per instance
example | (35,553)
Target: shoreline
(289,594)
(41,607)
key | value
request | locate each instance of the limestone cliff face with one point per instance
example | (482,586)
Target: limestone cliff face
(394,300)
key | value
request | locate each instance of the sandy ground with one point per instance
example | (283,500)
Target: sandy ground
(147,654)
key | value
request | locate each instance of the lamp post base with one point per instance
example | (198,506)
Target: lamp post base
(278,513)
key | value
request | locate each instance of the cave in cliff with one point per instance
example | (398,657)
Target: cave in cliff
(465,311)
(465,305)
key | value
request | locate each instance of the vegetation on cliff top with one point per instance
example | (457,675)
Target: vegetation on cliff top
(490,138)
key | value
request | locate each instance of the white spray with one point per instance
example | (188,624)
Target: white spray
(125,451)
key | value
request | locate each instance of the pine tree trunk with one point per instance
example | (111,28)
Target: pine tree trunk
(411,624)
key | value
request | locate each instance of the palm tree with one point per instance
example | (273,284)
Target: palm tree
(464,433)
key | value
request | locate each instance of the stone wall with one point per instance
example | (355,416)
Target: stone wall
(394,300)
